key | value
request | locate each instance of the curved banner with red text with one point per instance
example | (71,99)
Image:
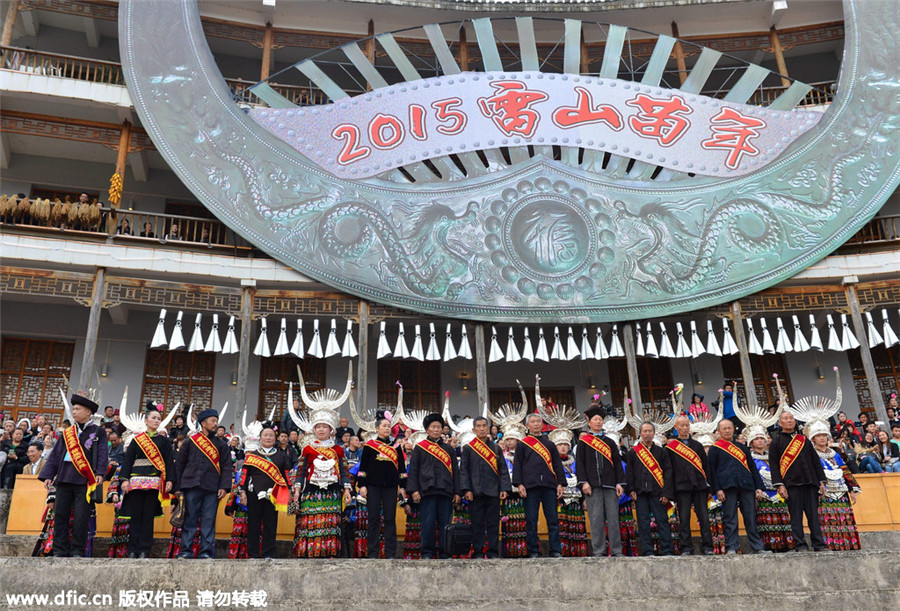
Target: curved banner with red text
(395,126)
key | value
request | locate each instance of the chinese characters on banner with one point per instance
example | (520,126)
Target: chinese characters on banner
(412,122)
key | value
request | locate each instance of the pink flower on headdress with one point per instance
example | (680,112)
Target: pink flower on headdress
(596,397)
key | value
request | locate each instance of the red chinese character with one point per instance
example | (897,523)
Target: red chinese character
(732,131)
(659,119)
(584,113)
(510,108)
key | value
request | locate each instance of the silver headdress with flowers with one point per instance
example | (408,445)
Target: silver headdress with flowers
(366,421)
(815,411)
(757,417)
(253,430)
(509,417)
(612,427)
(704,426)
(564,417)
(323,404)
(415,421)
(661,420)
(463,428)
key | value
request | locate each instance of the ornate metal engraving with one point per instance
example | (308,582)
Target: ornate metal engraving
(621,249)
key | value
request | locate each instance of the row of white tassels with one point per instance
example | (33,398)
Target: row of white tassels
(588,348)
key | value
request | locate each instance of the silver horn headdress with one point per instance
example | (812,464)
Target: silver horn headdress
(509,417)
(661,420)
(815,410)
(564,417)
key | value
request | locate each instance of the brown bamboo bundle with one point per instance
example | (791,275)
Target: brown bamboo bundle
(40,210)
(90,213)
(23,209)
(57,213)
(67,214)
(7,205)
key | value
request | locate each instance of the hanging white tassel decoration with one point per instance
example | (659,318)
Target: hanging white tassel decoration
(331,346)
(712,343)
(262,344)
(159,336)
(231,345)
(434,352)
(800,343)
(784,342)
(890,338)
(815,340)
(586,351)
(177,339)
(541,354)
(527,348)
(558,354)
(728,344)
(665,346)
(639,339)
(512,353)
(874,336)
(349,348)
(384,349)
(682,350)
(315,347)
(298,346)
(213,343)
(651,349)
(465,350)
(696,345)
(496,354)
(449,348)
(834,343)
(600,351)
(572,351)
(281,346)
(753,345)
(401,350)
(615,346)
(417,352)
(848,339)
(767,345)
(197,343)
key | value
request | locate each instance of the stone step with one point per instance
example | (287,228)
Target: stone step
(865,579)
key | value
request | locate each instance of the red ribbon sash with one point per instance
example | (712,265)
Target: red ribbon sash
(734,451)
(685,452)
(595,443)
(208,448)
(151,451)
(535,444)
(280,494)
(484,451)
(650,462)
(385,450)
(438,452)
(791,453)
(79,459)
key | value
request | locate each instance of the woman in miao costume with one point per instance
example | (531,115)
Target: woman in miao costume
(512,510)
(322,476)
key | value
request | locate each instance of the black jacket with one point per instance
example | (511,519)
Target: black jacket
(725,471)
(594,469)
(806,468)
(531,471)
(134,452)
(477,476)
(376,470)
(640,479)
(253,480)
(194,470)
(685,476)
(91,437)
(429,476)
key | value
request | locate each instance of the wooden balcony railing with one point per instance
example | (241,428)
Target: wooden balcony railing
(301,96)
(822,93)
(65,66)
(880,232)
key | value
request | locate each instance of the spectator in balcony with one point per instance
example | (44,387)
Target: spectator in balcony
(173,234)
(846,447)
(888,453)
(204,236)
(845,424)
(867,455)
(124,228)
(148,231)
(16,458)
(863,421)
(36,460)
(107,415)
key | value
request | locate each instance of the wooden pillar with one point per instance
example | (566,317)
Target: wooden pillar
(370,43)
(11,16)
(679,55)
(865,354)
(779,56)
(362,378)
(737,324)
(268,37)
(480,367)
(90,338)
(244,356)
(585,62)
(463,49)
(634,382)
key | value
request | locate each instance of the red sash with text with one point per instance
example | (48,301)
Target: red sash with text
(791,453)
(280,494)
(484,451)
(733,451)
(595,443)
(438,452)
(684,451)
(650,463)
(79,459)
(385,450)
(535,444)
(208,448)
(151,451)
